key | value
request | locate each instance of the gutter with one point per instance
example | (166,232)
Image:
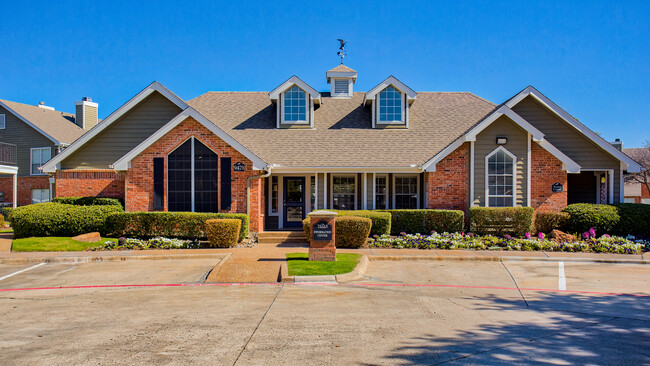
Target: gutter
(248,188)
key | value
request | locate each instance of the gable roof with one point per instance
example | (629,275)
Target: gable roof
(294,80)
(343,136)
(341,68)
(632,166)
(391,80)
(51,166)
(57,126)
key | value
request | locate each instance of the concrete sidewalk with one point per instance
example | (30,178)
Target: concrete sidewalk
(5,242)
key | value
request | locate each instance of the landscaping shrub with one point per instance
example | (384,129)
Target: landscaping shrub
(381,221)
(2,221)
(425,221)
(501,221)
(547,221)
(56,219)
(634,219)
(6,213)
(583,216)
(223,233)
(349,231)
(189,225)
(88,201)
(441,221)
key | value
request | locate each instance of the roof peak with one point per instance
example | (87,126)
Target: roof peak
(342,68)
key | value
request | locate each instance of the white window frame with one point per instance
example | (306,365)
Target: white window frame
(41,191)
(331,178)
(402,108)
(3,121)
(417,191)
(514,176)
(31,159)
(374,191)
(307,107)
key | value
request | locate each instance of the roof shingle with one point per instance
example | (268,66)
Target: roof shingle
(59,125)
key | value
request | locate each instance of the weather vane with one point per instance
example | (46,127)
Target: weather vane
(342,52)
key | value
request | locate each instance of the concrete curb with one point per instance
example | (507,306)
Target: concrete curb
(356,273)
(110,258)
(502,258)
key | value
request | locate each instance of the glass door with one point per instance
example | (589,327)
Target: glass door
(294,201)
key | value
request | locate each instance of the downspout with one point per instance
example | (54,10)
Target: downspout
(248,188)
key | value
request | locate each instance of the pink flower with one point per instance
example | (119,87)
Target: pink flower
(402,233)
(508,237)
(527,235)
(585,235)
(606,236)
(592,232)
(540,236)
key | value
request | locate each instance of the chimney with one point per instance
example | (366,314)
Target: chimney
(617,144)
(42,105)
(86,113)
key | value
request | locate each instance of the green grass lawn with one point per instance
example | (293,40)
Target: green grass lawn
(5,230)
(52,244)
(299,264)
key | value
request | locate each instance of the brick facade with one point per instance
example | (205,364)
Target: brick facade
(139,178)
(546,170)
(86,183)
(448,186)
(25,186)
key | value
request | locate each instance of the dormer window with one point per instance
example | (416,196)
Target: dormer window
(390,106)
(295,105)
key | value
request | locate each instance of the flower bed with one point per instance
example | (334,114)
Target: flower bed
(155,243)
(604,244)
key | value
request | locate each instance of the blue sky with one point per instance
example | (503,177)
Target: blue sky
(591,58)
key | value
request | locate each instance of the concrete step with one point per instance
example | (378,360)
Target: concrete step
(281,234)
(280,240)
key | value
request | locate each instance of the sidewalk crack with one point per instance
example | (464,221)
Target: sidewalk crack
(515,281)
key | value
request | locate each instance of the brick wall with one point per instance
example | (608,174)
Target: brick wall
(139,178)
(25,186)
(546,170)
(448,186)
(89,183)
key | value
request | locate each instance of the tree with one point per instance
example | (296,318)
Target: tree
(641,156)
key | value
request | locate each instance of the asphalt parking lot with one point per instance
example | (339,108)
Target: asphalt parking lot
(402,312)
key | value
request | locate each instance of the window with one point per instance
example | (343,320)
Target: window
(40,195)
(406,192)
(2,122)
(500,178)
(381,192)
(390,105)
(295,105)
(274,194)
(343,193)
(40,156)
(192,178)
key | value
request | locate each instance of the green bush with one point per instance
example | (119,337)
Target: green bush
(515,221)
(2,221)
(168,224)
(381,221)
(56,219)
(424,221)
(634,219)
(583,216)
(547,221)
(223,233)
(6,213)
(88,201)
(349,231)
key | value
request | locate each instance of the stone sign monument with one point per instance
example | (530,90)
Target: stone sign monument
(321,243)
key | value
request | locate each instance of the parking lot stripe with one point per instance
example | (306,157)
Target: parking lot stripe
(561,278)
(21,271)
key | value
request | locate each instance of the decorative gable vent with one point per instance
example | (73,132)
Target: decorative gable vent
(340,86)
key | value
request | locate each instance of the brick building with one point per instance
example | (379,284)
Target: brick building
(282,154)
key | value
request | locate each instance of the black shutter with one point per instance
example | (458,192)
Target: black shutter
(158,183)
(226,191)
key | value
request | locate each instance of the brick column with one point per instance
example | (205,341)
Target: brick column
(322,241)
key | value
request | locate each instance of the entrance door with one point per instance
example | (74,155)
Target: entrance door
(294,201)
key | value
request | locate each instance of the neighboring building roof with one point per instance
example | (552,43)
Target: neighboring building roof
(55,125)
(343,135)
(341,68)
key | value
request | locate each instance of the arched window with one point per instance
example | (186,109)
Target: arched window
(295,105)
(390,105)
(500,178)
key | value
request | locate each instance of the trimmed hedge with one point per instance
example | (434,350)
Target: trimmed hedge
(381,221)
(56,219)
(500,221)
(88,201)
(189,225)
(349,231)
(6,213)
(547,221)
(583,216)
(424,221)
(2,221)
(223,233)
(634,219)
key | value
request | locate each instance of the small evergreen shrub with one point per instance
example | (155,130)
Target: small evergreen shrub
(349,231)
(223,233)
(424,221)
(444,221)
(56,219)
(501,221)
(547,221)
(381,221)
(634,219)
(190,225)
(88,201)
(584,216)
(2,221)
(6,213)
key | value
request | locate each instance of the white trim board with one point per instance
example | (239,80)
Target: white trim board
(123,163)
(632,166)
(391,80)
(294,80)
(51,165)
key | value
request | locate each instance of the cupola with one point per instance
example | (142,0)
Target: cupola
(341,78)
